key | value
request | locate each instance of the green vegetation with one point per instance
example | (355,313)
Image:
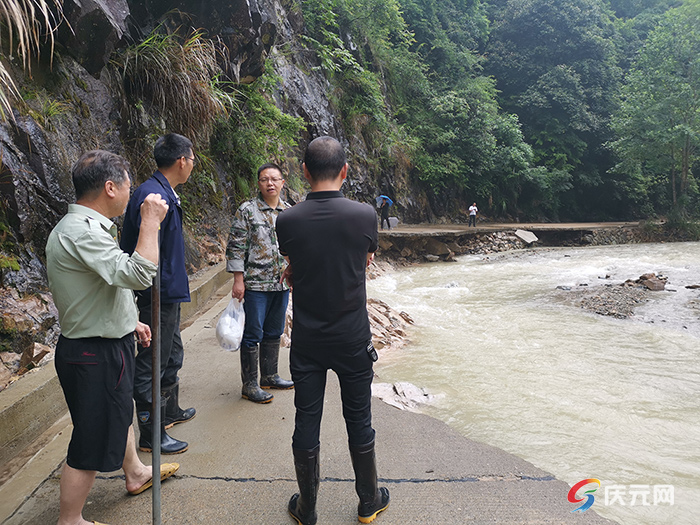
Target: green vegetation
(43,109)
(8,258)
(658,123)
(538,109)
(172,83)
(413,90)
(258,133)
(178,78)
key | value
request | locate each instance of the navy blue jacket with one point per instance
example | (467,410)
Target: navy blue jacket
(175,287)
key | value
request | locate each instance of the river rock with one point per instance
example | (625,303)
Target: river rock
(654,284)
(35,356)
(618,301)
(388,327)
(651,281)
(435,247)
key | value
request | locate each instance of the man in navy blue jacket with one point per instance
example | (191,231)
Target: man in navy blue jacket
(175,160)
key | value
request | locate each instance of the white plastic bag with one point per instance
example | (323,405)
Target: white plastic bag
(229,329)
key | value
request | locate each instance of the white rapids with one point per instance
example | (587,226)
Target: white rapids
(579,395)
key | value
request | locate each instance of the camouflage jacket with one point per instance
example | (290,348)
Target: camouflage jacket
(252,246)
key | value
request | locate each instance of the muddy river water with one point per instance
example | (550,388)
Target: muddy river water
(515,364)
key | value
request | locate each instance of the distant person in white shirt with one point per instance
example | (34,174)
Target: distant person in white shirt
(473,210)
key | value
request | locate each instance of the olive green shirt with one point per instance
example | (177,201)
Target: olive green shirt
(91,278)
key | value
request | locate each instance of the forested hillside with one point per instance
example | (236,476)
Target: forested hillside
(535,109)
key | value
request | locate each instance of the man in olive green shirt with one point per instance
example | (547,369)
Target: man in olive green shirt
(91,281)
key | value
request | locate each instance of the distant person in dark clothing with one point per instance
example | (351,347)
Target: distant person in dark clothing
(328,241)
(473,210)
(175,160)
(384,208)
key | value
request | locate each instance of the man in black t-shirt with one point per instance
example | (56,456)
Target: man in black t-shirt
(328,242)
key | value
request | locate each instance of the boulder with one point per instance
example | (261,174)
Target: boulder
(246,28)
(435,247)
(654,284)
(94,29)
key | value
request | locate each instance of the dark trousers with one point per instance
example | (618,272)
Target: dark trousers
(388,224)
(171,352)
(309,367)
(472,221)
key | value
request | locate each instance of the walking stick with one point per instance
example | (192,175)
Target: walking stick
(155,395)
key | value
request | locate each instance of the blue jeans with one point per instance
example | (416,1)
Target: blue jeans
(264,316)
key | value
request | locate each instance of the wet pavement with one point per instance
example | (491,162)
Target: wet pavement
(239,470)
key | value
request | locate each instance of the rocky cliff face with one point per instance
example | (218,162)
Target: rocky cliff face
(69,108)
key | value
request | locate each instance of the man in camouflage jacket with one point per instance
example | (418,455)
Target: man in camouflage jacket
(254,259)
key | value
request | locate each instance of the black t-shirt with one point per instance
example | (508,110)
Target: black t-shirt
(327,238)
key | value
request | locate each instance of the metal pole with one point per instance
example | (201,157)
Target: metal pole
(155,395)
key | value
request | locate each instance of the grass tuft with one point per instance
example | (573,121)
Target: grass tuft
(177,77)
(24,25)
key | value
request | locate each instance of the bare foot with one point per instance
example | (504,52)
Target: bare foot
(136,479)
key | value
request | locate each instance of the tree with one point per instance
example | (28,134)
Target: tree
(658,125)
(555,64)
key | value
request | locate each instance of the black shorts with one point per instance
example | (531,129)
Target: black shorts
(97,377)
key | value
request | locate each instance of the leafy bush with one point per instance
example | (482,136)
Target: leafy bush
(258,133)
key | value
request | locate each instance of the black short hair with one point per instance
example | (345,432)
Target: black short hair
(171,147)
(324,158)
(269,166)
(95,168)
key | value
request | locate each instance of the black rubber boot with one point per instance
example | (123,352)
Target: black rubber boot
(302,506)
(269,359)
(168,444)
(373,499)
(249,376)
(173,413)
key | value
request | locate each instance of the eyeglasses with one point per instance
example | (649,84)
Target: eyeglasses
(193,159)
(272,179)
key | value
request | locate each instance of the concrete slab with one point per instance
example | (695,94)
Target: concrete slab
(526,236)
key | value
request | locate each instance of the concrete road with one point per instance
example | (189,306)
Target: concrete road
(498,226)
(239,470)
